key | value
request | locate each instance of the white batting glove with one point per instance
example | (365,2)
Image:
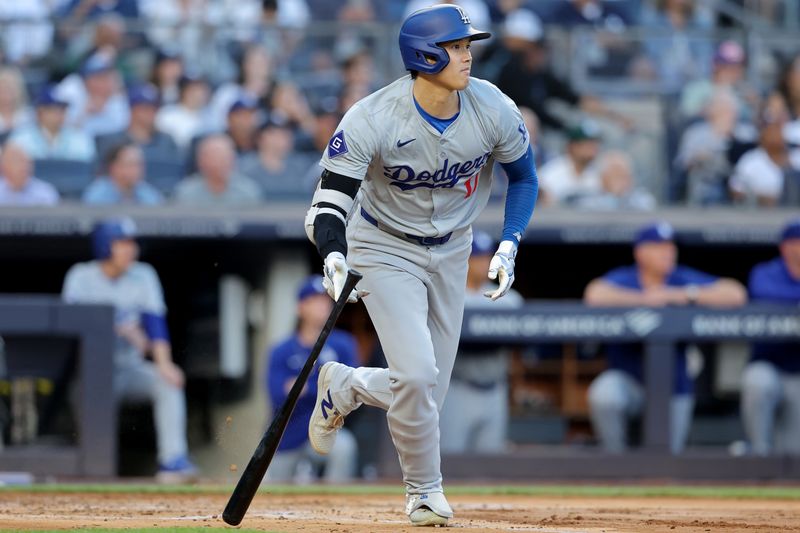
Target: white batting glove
(335,270)
(501,268)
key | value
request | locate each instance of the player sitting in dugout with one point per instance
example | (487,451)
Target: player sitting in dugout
(654,280)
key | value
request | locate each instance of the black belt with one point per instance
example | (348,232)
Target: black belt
(423,241)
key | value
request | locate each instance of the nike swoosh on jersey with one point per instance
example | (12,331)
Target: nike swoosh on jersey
(403,143)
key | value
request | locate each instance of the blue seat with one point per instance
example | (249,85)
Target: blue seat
(164,174)
(69,177)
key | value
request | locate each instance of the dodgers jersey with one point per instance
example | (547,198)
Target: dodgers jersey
(134,293)
(416,180)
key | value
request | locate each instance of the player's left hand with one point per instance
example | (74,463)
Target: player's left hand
(501,268)
(171,373)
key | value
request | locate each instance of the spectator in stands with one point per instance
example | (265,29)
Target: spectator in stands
(276,167)
(574,173)
(78,11)
(243,125)
(286,359)
(186,119)
(166,75)
(787,95)
(288,103)
(143,365)
(768,175)
(18,185)
(157,145)
(676,54)
(618,189)
(216,182)
(771,381)
(704,154)
(124,183)
(48,137)
(96,103)
(27,32)
(14,110)
(728,72)
(528,79)
(597,13)
(474,417)
(655,280)
(255,82)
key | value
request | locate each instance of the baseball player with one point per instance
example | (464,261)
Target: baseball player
(286,360)
(475,415)
(771,381)
(115,277)
(419,152)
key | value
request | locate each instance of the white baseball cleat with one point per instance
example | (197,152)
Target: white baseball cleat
(325,420)
(429,509)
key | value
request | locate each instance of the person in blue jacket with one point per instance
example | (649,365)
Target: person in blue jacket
(771,380)
(285,362)
(655,280)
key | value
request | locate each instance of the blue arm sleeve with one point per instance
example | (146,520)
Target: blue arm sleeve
(523,189)
(155,326)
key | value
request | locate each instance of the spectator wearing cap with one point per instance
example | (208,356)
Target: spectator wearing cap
(573,173)
(276,167)
(475,416)
(96,102)
(768,175)
(618,188)
(157,146)
(243,125)
(527,77)
(216,181)
(124,183)
(771,381)
(728,71)
(49,137)
(286,359)
(18,185)
(186,119)
(654,280)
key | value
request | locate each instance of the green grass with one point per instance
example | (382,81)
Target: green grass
(601,491)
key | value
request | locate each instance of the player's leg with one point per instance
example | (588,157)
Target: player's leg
(491,436)
(143,382)
(761,396)
(681,409)
(461,413)
(614,397)
(340,464)
(788,430)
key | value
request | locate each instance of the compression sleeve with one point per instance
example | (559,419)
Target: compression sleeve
(155,326)
(329,229)
(523,189)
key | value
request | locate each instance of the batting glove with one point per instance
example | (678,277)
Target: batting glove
(501,268)
(335,270)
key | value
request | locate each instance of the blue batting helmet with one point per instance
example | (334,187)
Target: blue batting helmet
(108,231)
(424,30)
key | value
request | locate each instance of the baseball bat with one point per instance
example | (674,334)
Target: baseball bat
(251,478)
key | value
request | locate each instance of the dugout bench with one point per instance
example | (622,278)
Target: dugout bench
(94,452)
(658,330)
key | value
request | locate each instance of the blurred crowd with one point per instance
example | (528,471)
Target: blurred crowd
(223,102)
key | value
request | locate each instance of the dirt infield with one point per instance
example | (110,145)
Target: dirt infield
(382,513)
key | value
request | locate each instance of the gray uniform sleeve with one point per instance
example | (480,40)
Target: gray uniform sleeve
(153,297)
(512,135)
(72,292)
(352,147)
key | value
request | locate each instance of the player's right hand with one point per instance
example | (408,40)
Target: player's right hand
(335,270)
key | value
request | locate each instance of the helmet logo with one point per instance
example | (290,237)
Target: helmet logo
(464,16)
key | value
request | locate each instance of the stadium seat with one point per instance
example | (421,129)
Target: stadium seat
(164,174)
(69,177)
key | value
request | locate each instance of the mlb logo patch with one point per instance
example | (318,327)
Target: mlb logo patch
(337,145)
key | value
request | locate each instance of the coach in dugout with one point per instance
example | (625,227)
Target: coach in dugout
(771,381)
(143,366)
(295,459)
(654,280)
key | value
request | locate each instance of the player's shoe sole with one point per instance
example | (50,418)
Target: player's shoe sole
(325,420)
(426,517)
(428,509)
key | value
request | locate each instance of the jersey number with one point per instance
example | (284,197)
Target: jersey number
(472,184)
